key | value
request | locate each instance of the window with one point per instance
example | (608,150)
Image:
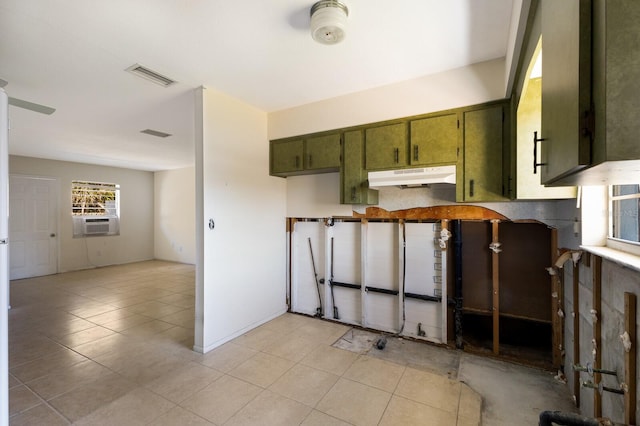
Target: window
(624,205)
(95,199)
(95,208)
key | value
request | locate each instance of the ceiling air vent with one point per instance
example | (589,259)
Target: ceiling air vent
(155,133)
(150,75)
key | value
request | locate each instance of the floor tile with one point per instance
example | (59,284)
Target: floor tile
(271,409)
(179,384)
(38,415)
(404,412)
(230,395)
(83,400)
(227,357)
(21,399)
(111,343)
(374,372)
(317,418)
(262,369)
(85,336)
(47,364)
(304,384)
(430,389)
(66,379)
(329,359)
(257,339)
(293,348)
(138,407)
(180,416)
(354,402)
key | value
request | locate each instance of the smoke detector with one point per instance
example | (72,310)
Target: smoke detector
(329,21)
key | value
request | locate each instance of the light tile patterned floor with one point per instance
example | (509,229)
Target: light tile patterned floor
(113,346)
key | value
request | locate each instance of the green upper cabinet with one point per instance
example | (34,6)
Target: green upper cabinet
(286,157)
(483,170)
(434,140)
(566,88)
(354,185)
(305,155)
(386,147)
(590,92)
(322,152)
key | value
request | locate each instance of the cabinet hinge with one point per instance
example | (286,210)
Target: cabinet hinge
(589,123)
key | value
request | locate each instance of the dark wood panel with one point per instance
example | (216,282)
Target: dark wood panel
(477,277)
(525,284)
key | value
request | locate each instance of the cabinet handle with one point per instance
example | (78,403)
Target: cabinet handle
(535,152)
(396,153)
(415,153)
(309,160)
(297,161)
(353,193)
(471,184)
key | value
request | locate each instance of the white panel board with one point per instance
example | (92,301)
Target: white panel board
(424,264)
(345,269)
(304,291)
(382,272)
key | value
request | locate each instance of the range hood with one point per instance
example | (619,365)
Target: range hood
(413,177)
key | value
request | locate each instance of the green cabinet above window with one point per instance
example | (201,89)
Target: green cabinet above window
(434,140)
(386,146)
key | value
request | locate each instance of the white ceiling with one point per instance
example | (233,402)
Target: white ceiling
(71,55)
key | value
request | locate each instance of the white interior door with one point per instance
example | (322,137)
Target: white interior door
(32,226)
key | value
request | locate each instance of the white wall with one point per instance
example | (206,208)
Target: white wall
(240,272)
(470,85)
(135,242)
(174,215)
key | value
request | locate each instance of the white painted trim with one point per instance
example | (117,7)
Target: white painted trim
(620,257)
(4,259)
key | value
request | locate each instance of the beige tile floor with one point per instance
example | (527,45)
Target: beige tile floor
(113,346)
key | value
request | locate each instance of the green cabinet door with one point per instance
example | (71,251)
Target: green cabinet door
(386,147)
(434,140)
(566,80)
(354,186)
(286,157)
(322,152)
(483,160)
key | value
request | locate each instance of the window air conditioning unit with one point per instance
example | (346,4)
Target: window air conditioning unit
(88,226)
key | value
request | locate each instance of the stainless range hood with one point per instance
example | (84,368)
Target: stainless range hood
(413,177)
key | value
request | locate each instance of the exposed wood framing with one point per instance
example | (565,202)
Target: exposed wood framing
(576,331)
(630,399)
(436,212)
(597,331)
(556,320)
(495,264)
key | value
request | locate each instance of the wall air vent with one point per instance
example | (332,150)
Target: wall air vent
(150,75)
(155,133)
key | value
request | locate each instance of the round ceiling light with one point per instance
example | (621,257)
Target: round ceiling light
(328,21)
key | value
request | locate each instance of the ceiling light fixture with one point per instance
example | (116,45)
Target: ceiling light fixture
(329,21)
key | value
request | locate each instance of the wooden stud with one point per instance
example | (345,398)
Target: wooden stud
(597,331)
(496,287)
(576,331)
(556,321)
(630,399)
